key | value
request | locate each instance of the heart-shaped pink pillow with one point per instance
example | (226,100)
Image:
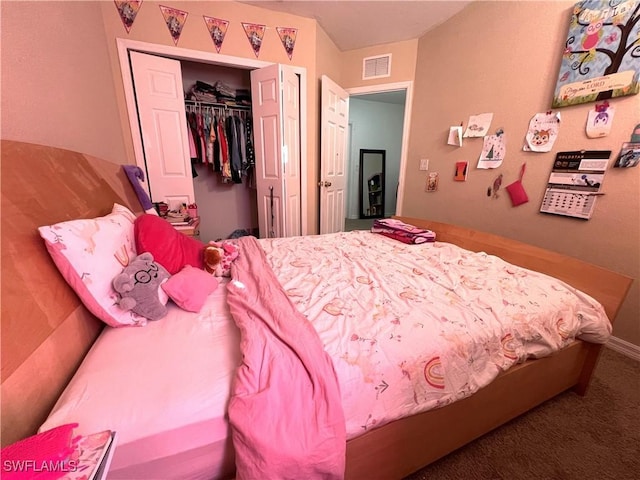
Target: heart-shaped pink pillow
(170,248)
(190,287)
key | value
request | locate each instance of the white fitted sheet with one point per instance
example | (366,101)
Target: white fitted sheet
(164,388)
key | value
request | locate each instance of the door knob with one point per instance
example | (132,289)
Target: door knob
(327,184)
(324,184)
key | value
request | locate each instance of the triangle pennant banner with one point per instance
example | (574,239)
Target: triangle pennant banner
(288,39)
(128,11)
(217,29)
(175,20)
(255,33)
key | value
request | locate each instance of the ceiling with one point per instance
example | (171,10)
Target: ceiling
(358,24)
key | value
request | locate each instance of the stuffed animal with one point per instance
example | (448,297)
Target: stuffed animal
(139,287)
(218,257)
(213,259)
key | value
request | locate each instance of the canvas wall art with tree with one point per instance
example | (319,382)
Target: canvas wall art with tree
(601,58)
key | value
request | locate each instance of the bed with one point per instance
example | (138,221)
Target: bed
(185,364)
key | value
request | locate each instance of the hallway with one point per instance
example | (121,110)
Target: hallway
(356,224)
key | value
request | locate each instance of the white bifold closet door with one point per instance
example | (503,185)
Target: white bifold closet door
(163,125)
(275,97)
(275,92)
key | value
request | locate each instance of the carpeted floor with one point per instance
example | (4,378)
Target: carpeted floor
(596,437)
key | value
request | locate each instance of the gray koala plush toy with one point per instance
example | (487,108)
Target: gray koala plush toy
(138,286)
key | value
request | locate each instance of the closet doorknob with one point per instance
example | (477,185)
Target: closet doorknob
(324,184)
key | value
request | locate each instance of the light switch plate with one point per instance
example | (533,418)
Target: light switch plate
(424,164)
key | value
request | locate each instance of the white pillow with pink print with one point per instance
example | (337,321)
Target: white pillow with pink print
(89,253)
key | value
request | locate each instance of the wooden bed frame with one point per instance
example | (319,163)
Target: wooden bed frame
(46,331)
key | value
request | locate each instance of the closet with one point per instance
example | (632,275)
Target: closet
(265,199)
(227,201)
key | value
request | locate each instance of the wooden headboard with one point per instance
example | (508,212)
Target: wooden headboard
(45,329)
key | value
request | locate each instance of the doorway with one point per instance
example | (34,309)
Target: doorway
(378,119)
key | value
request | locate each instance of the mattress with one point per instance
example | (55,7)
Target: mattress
(415,327)
(164,388)
(408,328)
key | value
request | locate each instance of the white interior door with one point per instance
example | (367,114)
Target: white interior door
(334,119)
(275,92)
(160,103)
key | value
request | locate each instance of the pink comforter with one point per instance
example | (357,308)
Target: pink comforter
(285,410)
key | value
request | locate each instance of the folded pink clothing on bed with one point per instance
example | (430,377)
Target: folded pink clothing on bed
(401,231)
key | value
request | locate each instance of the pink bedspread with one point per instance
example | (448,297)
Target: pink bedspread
(285,410)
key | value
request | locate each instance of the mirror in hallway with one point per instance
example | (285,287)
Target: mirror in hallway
(372,185)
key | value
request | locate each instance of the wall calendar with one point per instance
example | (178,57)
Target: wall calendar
(575,183)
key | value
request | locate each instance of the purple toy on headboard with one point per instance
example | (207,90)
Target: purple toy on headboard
(136,175)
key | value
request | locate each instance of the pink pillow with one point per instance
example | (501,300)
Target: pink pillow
(170,248)
(89,253)
(190,287)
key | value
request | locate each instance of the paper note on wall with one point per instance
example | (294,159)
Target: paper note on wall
(599,120)
(542,133)
(629,155)
(493,151)
(455,136)
(478,125)
(461,171)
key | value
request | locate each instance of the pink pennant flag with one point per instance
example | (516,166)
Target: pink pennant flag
(128,11)
(254,33)
(288,39)
(217,29)
(175,21)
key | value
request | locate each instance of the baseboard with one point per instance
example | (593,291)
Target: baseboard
(625,348)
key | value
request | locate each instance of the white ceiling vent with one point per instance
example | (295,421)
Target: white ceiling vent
(376,67)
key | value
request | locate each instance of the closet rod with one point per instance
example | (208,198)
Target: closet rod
(198,103)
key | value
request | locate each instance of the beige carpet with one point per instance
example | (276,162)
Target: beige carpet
(595,437)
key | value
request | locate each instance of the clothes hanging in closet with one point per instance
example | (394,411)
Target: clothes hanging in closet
(222,139)
(233,136)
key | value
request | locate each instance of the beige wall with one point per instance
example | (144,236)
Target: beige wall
(327,58)
(327,63)
(57,86)
(503,57)
(403,63)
